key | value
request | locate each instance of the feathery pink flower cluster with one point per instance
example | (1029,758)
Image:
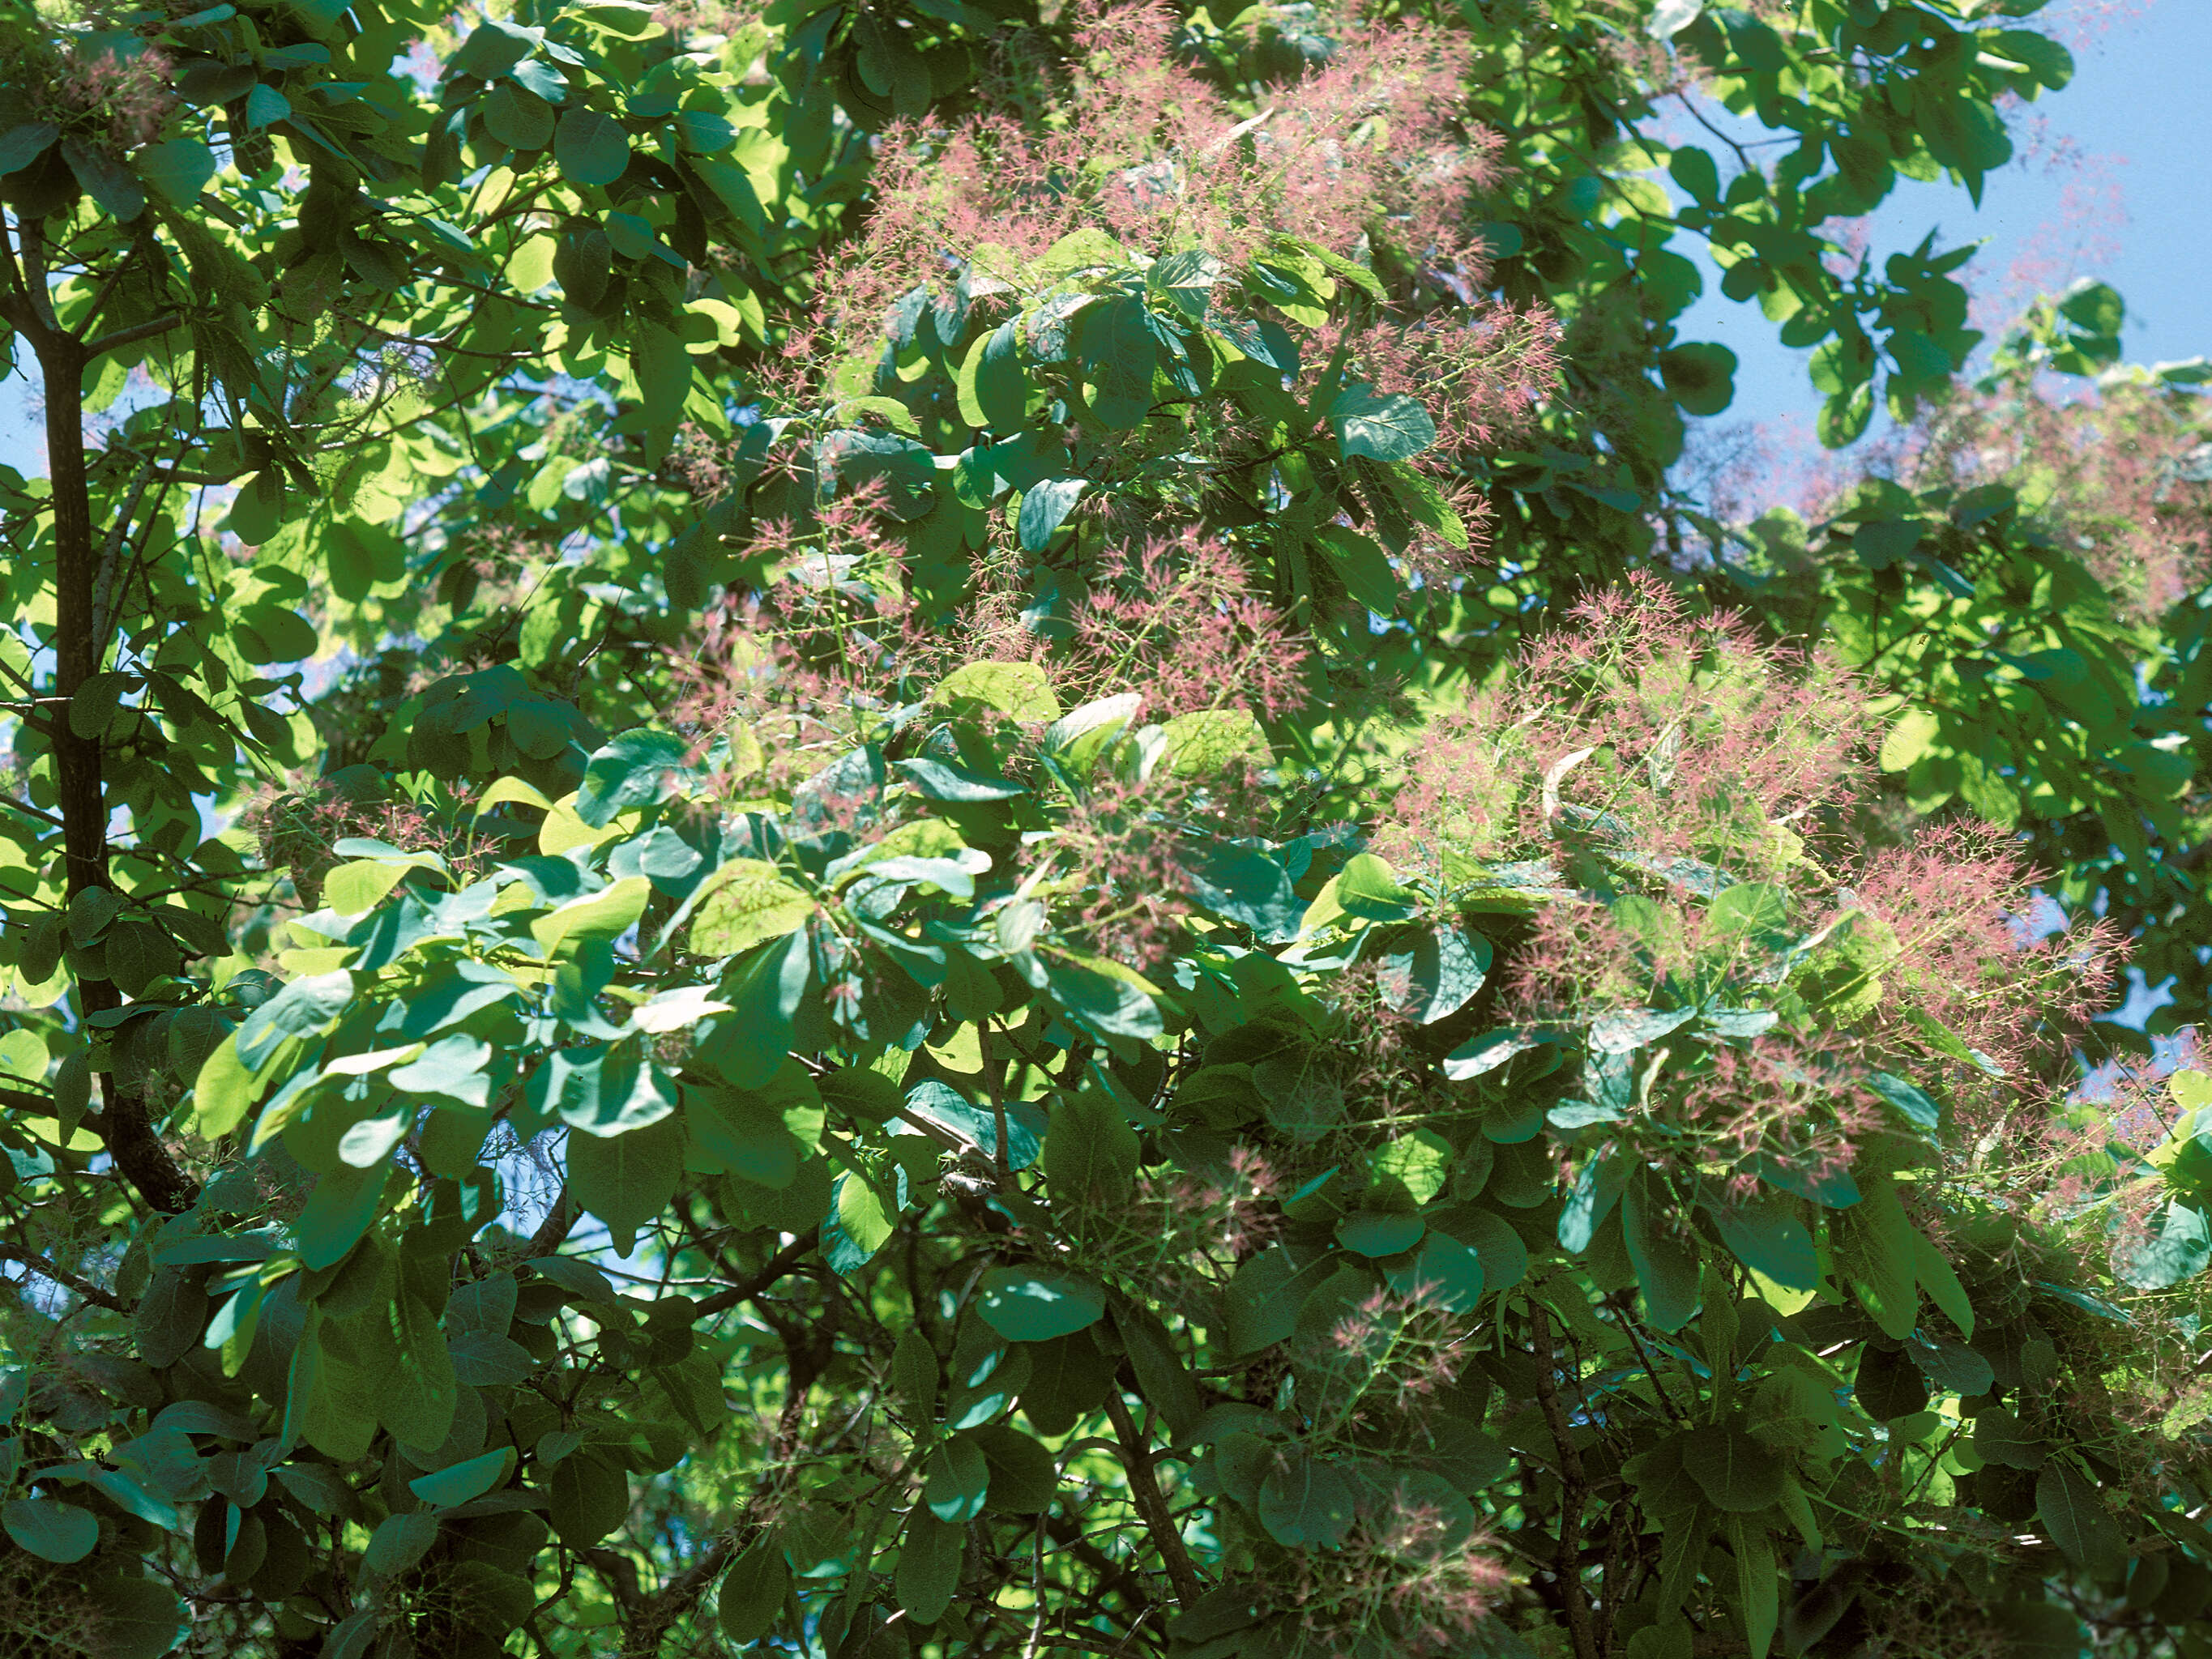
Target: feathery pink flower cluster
(129,99)
(1221,1219)
(1408,1344)
(1648,761)
(1125,841)
(1178,620)
(299,830)
(2112,476)
(834,641)
(1636,714)
(1369,145)
(1410,1578)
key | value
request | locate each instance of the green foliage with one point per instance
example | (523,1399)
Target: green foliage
(626,1027)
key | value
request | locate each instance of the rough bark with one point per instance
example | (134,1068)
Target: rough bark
(123,1121)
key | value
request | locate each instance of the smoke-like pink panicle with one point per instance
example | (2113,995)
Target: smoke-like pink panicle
(1221,1219)
(1950,899)
(2132,1096)
(1647,759)
(1368,146)
(299,828)
(1410,1575)
(2099,467)
(130,96)
(1705,738)
(2078,239)
(1178,620)
(1797,1103)
(1481,372)
(1694,731)
(1130,855)
(2080,25)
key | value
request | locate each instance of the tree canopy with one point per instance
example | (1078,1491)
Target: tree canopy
(934,827)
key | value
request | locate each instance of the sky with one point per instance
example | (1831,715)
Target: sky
(2111,183)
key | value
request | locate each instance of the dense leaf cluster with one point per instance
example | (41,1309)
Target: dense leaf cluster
(687,966)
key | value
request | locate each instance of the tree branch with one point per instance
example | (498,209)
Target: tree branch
(746,1289)
(1144,1488)
(120,337)
(63,1277)
(123,1121)
(559,1222)
(1574,1488)
(650,1620)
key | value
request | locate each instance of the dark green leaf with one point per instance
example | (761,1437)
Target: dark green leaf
(2075,1518)
(1694,170)
(180,169)
(1377,1234)
(1950,1365)
(744,1135)
(955,1478)
(929,1565)
(1999,1437)
(1629,1029)
(398,1542)
(1119,353)
(139,1618)
(1363,568)
(2180,1247)
(302,1008)
(1888,1385)
(1032,1305)
(1306,1503)
(1024,1476)
(50,1530)
(626,1179)
(1701,378)
(944,780)
(591,146)
(1069,1377)
(1767,1236)
(1393,427)
(459,1482)
(1920,1111)
(1045,508)
(1442,1273)
(1091,1153)
(938,1103)
(106,179)
(1665,1262)
(636,768)
(753,1592)
(2094,307)
(1875,1250)
(484,1360)
(339,1209)
(517,116)
(1438,975)
(590,1496)
(1737,1475)
(23,143)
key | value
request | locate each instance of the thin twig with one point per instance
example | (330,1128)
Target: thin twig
(104,599)
(1628,1324)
